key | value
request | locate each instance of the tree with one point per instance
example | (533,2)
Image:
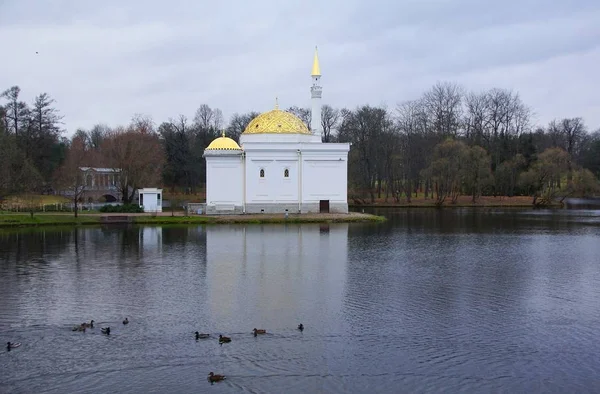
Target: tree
(568,135)
(330,118)
(70,177)
(443,105)
(142,123)
(136,156)
(238,124)
(446,169)
(179,168)
(507,173)
(364,128)
(206,118)
(17,112)
(40,139)
(476,170)
(302,113)
(543,178)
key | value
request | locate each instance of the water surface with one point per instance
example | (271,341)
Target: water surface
(431,301)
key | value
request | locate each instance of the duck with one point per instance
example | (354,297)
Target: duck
(256,332)
(215,378)
(80,327)
(301,327)
(12,345)
(106,330)
(223,339)
(201,336)
(126,321)
(88,325)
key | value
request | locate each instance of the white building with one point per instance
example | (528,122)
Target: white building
(150,199)
(279,166)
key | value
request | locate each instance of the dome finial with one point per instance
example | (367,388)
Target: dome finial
(276,103)
(223,133)
(316,70)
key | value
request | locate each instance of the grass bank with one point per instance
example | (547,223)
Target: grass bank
(41,219)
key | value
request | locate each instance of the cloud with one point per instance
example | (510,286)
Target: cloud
(105,61)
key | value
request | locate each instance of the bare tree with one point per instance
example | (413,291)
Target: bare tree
(142,123)
(443,105)
(17,112)
(137,157)
(238,124)
(330,119)
(208,118)
(303,113)
(70,177)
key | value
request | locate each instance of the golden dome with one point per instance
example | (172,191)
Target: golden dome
(276,122)
(223,143)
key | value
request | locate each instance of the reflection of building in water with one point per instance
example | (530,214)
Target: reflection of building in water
(151,239)
(276,270)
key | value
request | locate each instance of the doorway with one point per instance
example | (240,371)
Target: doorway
(323,206)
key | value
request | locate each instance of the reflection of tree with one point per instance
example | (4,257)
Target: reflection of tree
(27,244)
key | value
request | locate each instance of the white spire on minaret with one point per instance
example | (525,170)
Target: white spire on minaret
(315,94)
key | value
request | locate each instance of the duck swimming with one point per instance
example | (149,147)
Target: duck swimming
(201,336)
(106,330)
(126,321)
(301,327)
(79,328)
(215,378)
(256,332)
(12,345)
(223,339)
(88,325)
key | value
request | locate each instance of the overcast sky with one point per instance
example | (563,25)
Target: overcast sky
(103,61)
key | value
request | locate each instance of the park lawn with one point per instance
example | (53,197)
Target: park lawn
(352,217)
(25,219)
(56,219)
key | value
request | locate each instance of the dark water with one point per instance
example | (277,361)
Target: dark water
(431,301)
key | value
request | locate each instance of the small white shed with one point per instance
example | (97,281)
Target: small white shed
(150,199)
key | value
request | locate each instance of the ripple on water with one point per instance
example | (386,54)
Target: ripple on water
(434,302)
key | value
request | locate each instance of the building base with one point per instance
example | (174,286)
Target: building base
(293,208)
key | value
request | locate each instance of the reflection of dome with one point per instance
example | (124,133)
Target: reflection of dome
(276,122)
(223,143)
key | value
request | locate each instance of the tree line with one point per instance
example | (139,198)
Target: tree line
(447,143)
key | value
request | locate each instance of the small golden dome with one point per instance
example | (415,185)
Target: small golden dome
(276,122)
(223,143)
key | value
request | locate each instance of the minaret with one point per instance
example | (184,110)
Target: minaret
(315,94)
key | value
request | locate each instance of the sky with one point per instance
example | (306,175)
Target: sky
(104,61)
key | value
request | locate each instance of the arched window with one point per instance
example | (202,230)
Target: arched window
(262,172)
(286,173)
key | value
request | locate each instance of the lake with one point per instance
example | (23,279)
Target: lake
(486,300)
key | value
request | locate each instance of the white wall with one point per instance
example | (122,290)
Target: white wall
(150,202)
(325,177)
(224,180)
(324,174)
(274,187)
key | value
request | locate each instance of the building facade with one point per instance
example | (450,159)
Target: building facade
(100,185)
(279,165)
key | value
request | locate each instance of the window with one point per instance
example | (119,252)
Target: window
(262,172)
(286,173)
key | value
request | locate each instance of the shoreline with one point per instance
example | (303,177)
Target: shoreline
(450,206)
(16,220)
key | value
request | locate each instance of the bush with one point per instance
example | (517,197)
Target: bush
(125,208)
